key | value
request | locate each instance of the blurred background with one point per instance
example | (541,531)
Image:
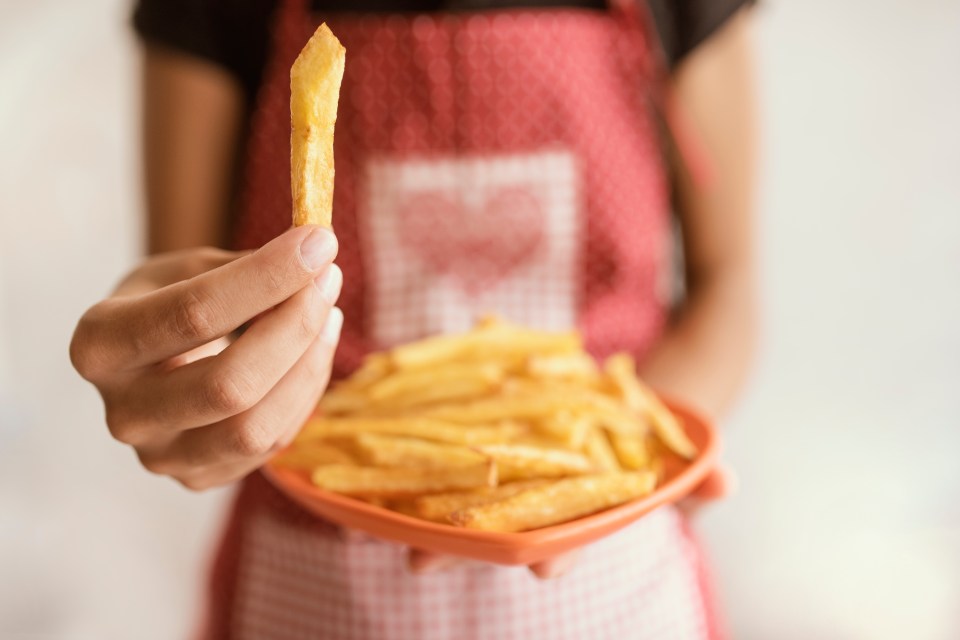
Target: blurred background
(847,522)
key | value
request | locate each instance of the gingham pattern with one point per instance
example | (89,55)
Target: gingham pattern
(446,113)
(298,581)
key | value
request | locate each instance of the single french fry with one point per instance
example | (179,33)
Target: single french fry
(557,502)
(631,451)
(397,451)
(568,428)
(423,381)
(375,367)
(439,507)
(578,366)
(342,400)
(598,449)
(622,370)
(323,427)
(516,461)
(310,456)
(314,93)
(374,482)
(496,341)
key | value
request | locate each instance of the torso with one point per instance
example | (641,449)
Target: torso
(486,162)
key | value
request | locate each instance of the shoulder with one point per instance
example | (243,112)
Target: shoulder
(233,34)
(683,25)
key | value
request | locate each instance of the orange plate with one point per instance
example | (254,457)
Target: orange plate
(506,548)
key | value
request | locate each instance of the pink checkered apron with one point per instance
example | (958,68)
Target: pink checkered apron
(499,161)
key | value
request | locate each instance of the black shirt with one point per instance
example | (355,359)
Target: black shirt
(236,33)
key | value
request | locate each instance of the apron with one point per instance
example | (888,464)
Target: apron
(500,161)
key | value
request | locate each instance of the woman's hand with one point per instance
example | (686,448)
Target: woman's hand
(194,406)
(718,484)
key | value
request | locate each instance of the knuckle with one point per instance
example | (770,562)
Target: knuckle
(120,426)
(194,317)
(156,464)
(195,484)
(86,352)
(277,271)
(227,391)
(250,441)
(311,316)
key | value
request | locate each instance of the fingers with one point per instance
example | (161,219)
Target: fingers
(131,332)
(555,566)
(720,483)
(222,452)
(166,268)
(214,389)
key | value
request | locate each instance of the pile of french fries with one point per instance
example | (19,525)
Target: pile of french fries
(499,429)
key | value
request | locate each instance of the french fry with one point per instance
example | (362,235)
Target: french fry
(630,450)
(374,482)
(497,341)
(622,370)
(314,93)
(439,507)
(375,367)
(394,451)
(517,462)
(568,428)
(530,404)
(342,400)
(557,502)
(417,381)
(578,366)
(311,456)
(427,429)
(599,450)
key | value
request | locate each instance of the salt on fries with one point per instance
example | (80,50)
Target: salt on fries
(314,93)
(499,429)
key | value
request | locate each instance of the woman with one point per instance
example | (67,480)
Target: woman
(489,157)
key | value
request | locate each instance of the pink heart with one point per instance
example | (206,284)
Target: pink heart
(477,245)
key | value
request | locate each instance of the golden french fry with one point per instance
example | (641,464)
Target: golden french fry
(579,366)
(342,400)
(427,429)
(311,455)
(631,451)
(425,381)
(439,507)
(557,502)
(375,367)
(374,482)
(517,461)
(568,428)
(396,451)
(598,449)
(622,370)
(532,405)
(497,341)
(314,93)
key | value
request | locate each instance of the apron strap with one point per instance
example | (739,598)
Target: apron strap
(680,129)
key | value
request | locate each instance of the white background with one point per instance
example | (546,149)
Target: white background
(847,524)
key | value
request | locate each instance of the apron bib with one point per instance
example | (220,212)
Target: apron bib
(501,162)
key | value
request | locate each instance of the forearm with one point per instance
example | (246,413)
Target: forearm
(705,353)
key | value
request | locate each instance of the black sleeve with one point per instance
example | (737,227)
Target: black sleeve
(684,24)
(233,34)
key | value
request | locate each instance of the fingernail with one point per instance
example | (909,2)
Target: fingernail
(318,249)
(331,330)
(330,283)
